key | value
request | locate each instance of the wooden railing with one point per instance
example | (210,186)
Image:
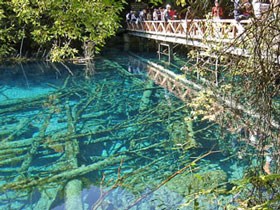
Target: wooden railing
(225,29)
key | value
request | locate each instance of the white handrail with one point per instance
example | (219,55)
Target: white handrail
(222,29)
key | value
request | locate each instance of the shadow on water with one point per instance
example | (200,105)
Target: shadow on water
(116,135)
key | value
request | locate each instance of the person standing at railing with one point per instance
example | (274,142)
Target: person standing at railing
(155,15)
(166,13)
(149,15)
(173,14)
(237,9)
(133,17)
(128,16)
(142,15)
(217,11)
(242,10)
(247,9)
(189,14)
(161,16)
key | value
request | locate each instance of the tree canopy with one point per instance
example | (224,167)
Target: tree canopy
(57,26)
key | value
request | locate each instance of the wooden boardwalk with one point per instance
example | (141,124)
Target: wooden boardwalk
(197,32)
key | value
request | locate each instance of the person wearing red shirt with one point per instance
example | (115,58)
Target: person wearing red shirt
(173,14)
(217,11)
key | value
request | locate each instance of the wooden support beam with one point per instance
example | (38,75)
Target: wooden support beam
(169,49)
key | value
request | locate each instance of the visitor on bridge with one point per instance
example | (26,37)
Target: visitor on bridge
(128,16)
(131,17)
(173,14)
(237,9)
(189,14)
(166,13)
(149,15)
(247,9)
(142,15)
(155,15)
(243,9)
(217,11)
(161,11)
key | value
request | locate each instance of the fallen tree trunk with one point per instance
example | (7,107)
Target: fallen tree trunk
(72,192)
(35,145)
(48,195)
(73,188)
(64,176)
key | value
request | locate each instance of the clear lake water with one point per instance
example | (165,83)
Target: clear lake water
(108,140)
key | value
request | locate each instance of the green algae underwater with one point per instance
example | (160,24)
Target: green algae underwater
(109,140)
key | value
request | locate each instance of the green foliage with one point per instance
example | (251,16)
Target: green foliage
(205,105)
(54,24)
(5,30)
(60,53)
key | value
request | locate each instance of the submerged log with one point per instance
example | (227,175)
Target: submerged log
(48,195)
(20,129)
(146,98)
(17,144)
(13,151)
(73,191)
(73,188)
(35,144)
(65,175)
(12,160)
(64,137)
(19,102)
(8,170)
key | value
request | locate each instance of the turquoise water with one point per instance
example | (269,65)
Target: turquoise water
(110,139)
